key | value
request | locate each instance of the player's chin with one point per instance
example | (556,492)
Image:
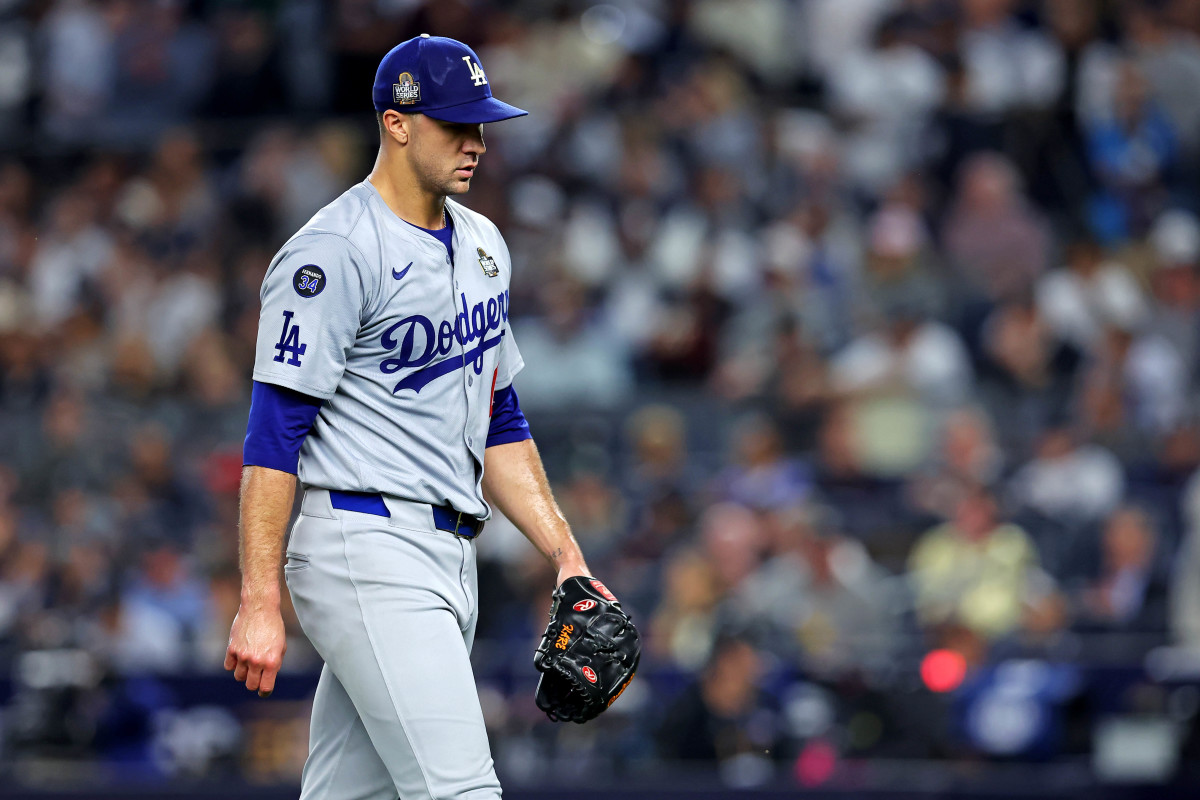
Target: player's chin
(458,185)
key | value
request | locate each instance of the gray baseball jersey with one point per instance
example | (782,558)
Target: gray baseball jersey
(366,312)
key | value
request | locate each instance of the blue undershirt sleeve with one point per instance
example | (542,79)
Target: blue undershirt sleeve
(280,418)
(508,422)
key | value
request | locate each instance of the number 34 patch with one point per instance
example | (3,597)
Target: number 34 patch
(308,281)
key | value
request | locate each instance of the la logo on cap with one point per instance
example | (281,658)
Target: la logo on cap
(476,71)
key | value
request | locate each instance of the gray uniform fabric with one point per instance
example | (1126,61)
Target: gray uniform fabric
(365,311)
(391,606)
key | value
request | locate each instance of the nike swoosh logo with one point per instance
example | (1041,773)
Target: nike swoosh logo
(401,273)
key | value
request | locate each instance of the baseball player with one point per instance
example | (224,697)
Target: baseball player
(383,381)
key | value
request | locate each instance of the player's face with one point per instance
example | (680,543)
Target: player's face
(445,154)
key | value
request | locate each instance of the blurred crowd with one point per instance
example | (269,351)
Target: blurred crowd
(853,328)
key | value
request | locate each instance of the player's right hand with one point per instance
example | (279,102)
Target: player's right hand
(257,642)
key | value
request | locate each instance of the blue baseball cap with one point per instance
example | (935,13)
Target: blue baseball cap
(440,78)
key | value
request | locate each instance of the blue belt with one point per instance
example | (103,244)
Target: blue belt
(445,518)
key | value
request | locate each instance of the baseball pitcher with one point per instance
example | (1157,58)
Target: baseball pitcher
(383,381)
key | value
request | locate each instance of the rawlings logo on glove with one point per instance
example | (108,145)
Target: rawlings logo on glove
(587,655)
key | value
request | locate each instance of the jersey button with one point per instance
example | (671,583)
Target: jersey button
(470,380)
(469,441)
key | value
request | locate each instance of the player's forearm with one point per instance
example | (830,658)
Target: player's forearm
(266,505)
(514,480)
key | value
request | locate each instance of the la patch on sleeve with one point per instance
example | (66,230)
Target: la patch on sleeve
(289,343)
(308,281)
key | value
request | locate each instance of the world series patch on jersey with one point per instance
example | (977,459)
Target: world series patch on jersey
(367,313)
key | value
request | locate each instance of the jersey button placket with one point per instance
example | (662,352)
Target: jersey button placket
(469,379)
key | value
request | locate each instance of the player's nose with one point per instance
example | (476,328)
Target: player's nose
(474,143)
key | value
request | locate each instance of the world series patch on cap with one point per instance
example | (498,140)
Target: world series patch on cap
(440,78)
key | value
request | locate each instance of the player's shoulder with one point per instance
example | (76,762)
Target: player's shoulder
(342,225)
(473,222)
(481,234)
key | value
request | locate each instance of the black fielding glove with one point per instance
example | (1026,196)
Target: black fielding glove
(587,655)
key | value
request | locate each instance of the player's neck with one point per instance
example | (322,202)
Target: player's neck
(407,201)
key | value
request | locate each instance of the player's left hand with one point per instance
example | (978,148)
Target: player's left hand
(588,654)
(257,642)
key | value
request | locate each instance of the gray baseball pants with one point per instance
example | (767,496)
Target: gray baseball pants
(390,603)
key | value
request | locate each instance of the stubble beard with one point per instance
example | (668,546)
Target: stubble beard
(433,179)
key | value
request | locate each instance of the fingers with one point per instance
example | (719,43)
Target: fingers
(253,677)
(257,677)
(266,684)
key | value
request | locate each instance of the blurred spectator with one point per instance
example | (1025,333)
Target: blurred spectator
(659,484)
(1068,480)
(1175,242)
(973,570)
(1055,161)
(67,453)
(733,541)
(835,29)
(899,266)
(657,437)
(761,477)
(1091,61)
(598,373)
(910,354)
(163,63)
(595,511)
(1010,67)
(684,627)
(724,714)
(22,572)
(1132,153)
(287,178)
(818,594)
(967,456)
(884,93)
(1135,386)
(173,205)
(247,75)
(798,388)
(957,131)
(1170,60)
(79,59)
(995,241)
(164,610)
(704,246)
(1080,299)
(1032,373)
(1128,591)
(69,255)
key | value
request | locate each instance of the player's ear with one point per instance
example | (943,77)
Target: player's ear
(395,126)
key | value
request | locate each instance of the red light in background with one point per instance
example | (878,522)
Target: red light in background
(816,763)
(943,670)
